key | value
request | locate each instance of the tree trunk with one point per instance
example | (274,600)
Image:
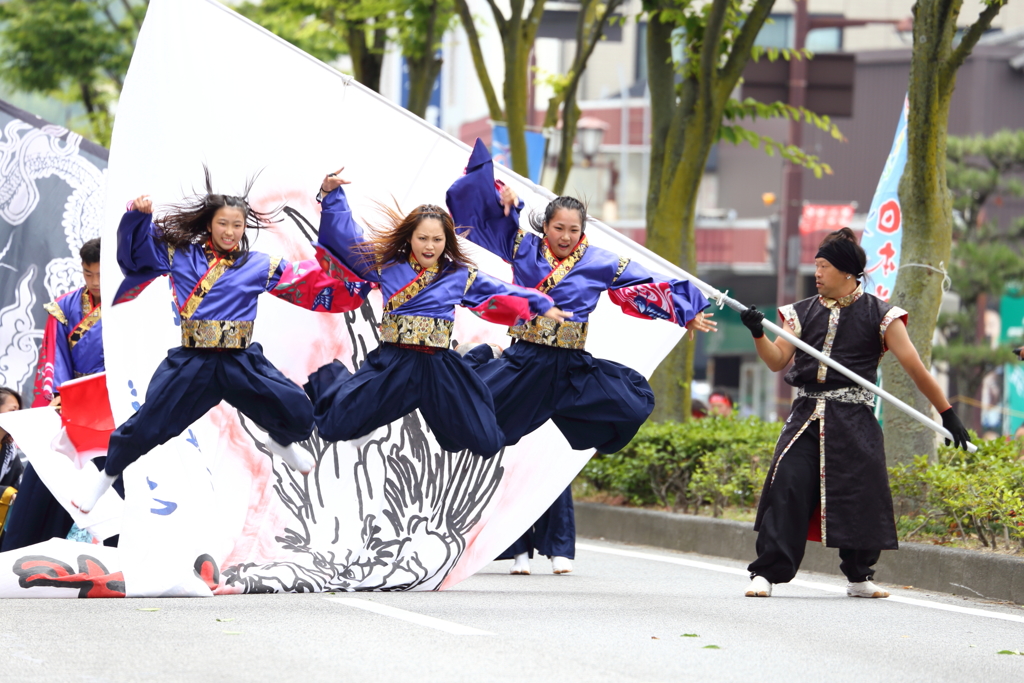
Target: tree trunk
(516,92)
(367,58)
(671,232)
(570,117)
(424,67)
(927,212)
(422,77)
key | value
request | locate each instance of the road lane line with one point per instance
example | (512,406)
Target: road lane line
(412,617)
(817,585)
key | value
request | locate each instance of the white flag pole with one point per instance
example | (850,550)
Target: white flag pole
(723,300)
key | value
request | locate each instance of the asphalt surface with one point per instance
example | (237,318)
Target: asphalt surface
(624,614)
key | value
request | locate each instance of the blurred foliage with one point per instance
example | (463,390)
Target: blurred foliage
(75,50)
(986,259)
(713,463)
(963,494)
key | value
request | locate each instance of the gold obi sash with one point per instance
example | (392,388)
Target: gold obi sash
(548,332)
(216,334)
(416,330)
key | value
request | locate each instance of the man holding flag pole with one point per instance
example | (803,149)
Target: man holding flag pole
(828,480)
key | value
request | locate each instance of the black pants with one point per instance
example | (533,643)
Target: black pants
(794,497)
(191,382)
(554,534)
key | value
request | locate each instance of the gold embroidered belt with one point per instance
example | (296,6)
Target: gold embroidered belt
(416,330)
(548,332)
(216,334)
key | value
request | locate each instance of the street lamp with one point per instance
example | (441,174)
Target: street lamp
(589,134)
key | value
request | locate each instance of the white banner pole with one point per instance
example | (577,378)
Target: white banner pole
(723,300)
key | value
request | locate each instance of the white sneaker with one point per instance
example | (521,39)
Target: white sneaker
(561,565)
(521,564)
(865,589)
(297,458)
(759,588)
(86,497)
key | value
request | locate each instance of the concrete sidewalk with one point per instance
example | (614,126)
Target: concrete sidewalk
(961,572)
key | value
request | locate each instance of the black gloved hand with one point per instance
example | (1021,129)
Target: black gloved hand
(951,422)
(1017,351)
(752,319)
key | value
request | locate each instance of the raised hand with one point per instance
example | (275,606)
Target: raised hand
(333,181)
(142,204)
(509,198)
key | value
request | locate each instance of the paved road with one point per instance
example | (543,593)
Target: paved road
(622,616)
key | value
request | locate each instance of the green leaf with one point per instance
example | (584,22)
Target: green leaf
(689,635)
(711,647)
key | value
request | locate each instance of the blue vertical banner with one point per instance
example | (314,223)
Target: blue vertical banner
(536,146)
(883,230)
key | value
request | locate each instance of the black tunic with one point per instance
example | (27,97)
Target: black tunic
(856,505)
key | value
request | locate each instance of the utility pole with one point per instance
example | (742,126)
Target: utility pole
(788,288)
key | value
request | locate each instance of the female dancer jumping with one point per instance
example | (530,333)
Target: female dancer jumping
(202,244)
(546,373)
(423,276)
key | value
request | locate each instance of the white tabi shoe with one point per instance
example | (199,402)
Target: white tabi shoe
(865,589)
(86,497)
(759,588)
(521,564)
(561,565)
(297,458)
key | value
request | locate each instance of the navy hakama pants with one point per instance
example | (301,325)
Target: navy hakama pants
(595,403)
(191,382)
(36,516)
(554,534)
(395,381)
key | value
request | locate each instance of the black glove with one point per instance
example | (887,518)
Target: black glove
(752,319)
(1017,351)
(951,422)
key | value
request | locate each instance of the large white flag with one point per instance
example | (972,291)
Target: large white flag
(211,511)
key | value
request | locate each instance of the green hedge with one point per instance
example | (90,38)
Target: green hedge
(714,461)
(964,493)
(722,462)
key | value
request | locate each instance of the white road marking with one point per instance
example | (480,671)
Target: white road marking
(412,617)
(799,582)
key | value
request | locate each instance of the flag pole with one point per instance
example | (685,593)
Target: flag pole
(723,300)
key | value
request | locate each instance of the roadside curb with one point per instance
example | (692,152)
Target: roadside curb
(960,572)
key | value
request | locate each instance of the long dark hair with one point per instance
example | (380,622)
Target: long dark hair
(389,242)
(189,222)
(538,221)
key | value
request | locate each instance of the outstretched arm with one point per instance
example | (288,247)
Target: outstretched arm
(491,212)
(643,294)
(898,341)
(340,234)
(776,355)
(140,254)
(500,302)
(324,284)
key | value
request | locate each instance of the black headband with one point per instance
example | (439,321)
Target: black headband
(844,255)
